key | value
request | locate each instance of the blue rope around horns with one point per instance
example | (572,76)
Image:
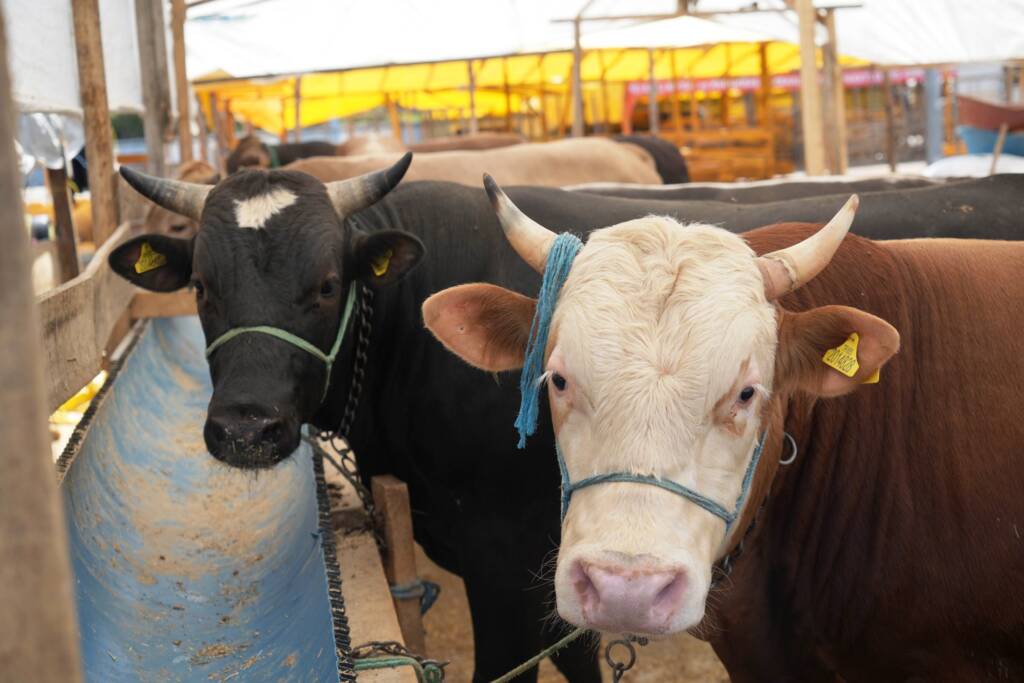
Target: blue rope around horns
(563,252)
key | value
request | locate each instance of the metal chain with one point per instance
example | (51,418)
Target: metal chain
(433,669)
(620,667)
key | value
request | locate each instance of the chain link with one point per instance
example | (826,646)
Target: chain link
(618,666)
(433,669)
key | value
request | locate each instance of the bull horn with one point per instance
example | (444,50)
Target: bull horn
(356,194)
(178,196)
(791,268)
(531,240)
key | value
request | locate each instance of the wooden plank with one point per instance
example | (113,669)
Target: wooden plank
(810,94)
(368,603)
(182,90)
(391,497)
(63,223)
(77,319)
(149,23)
(99,135)
(157,305)
(38,629)
(836,99)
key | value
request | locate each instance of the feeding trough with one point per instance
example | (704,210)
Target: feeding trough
(186,569)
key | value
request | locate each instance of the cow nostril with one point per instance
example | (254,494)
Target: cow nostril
(273,432)
(584,585)
(673,592)
(215,433)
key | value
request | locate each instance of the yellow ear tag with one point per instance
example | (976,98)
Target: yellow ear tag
(874,378)
(381,263)
(149,259)
(844,357)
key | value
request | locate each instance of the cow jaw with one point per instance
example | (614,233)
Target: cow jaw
(658,329)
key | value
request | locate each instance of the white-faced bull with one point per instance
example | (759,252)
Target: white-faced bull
(665,350)
(274,266)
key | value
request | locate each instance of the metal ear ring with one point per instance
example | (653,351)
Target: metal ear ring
(792,445)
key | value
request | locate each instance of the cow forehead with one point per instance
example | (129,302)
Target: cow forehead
(264,200)
(652,302)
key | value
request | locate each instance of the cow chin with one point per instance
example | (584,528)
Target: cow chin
(618,578)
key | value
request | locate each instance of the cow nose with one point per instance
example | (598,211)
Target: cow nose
(249,441)
(622,599)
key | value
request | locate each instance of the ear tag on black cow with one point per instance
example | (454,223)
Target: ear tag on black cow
(149,259)
(381,263)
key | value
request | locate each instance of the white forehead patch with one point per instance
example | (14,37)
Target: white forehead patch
(254,212)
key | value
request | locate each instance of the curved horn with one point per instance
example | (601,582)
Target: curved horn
(531,240)
(355,194)
(174,195)
(788,269)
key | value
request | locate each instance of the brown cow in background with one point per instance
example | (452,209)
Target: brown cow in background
(563,162)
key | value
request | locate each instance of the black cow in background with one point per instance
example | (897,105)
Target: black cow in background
(482,508)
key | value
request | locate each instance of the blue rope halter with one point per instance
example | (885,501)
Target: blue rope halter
(560,258)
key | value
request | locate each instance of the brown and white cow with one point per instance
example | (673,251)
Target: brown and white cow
(562,162)
(890,549)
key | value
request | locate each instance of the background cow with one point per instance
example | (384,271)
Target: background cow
(889,549)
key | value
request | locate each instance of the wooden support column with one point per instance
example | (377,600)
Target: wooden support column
(890,122)
(298,110)
(810,93)
(653,114)
(394,116)
(677,114)
(474,124)
(543,100)
(156,97)
(391,498)
(836,101)
(204,137)
(182,90)
(577,81)
(99,135)
(766,116)
(508,94)
(38,629)
(63,222)
(218,133)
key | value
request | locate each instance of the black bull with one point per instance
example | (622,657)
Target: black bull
(482,508)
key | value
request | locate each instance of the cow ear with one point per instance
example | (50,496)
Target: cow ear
(832,350)
(382,258)
(485,325)
(155,262)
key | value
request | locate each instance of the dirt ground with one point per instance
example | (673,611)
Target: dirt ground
(680,659)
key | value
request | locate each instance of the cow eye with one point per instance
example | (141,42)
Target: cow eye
(558,381)
(329,288)
(746,394)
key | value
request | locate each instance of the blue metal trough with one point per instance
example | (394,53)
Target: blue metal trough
(185,569)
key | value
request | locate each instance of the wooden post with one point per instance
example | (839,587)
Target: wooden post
(149,23)
(653,113)
(837,97)
(229,125)
(218,133)
(395,117)
(890,122)
(298,109)
(391,498)
(998,149)
(767,116)
(508,94)
(182,90)
(63,222)
(543,99)
(99,135)
(38,629)
(474,124)
(577,81)
(810,94)
(677,113)
(204,137)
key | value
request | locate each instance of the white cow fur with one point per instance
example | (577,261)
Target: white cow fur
(652,328)
(254,212)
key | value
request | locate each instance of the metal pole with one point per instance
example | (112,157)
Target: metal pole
(38,628)
(932,115)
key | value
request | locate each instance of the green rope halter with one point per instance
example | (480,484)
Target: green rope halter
(294,340)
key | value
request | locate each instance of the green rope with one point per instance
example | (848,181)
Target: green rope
(537,658)
(424,674)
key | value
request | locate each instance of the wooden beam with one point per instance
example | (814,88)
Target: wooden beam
(159,305)
(474,124)
(810,94)
(182,89)
(63,222)
(38,629)
(577,81)
(836,98)
(204,137)
(99,135)
(890,121)
(218,133)
(298,110)
(767,116)
(677,113)
(149,25)
(653,113)
(508,94)
(391,498)
(78,318)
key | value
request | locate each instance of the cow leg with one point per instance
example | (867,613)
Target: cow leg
(510,609)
